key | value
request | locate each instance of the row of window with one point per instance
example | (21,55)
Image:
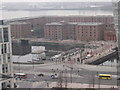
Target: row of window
(90,35)
(79,27)
(5,58)
(4,37)
(4,68)
(81,19)
(4,48)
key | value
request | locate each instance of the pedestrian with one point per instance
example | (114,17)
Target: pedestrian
(78,72)
(16,78)
(47,84)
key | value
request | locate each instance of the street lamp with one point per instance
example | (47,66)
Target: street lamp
(98,84)
(19,63)
(33,63)
(65,78)
(81,56)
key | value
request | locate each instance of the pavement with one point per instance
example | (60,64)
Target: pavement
(79,85)
(84,75)
(95,67)
(62,66)
(49,67)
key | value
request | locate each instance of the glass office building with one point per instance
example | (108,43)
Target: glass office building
(6,75)
(116,4)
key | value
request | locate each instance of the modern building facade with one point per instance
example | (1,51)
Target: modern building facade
(6,75)
(116,4)
(21,47)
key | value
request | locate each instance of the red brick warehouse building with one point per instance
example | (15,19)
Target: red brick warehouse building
(20,30)
(90,31)
(54,31)
(74,30)
(37,24)
(110,35)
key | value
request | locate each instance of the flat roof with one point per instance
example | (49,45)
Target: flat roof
(54,23)
(76,23)
(91,24)
(3,26)
(85,23)
(18,23)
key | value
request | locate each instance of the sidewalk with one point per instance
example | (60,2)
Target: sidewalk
(79,85)
(94,67)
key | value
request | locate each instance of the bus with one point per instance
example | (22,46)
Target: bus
(20,75)
(105,76)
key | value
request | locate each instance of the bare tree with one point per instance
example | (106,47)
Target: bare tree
(60,80)
(66,78)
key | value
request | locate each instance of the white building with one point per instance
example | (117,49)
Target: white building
(6,80)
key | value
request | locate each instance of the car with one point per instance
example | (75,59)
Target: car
(118,78)
(20,76)
(54,76)
(88,56)
(15,85)
(41,75)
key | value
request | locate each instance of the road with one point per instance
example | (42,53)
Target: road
(83,74)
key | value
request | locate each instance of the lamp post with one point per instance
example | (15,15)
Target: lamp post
(33,63)
(81,61)
(71,74)
(71,71)
(93,79)
(19,63)
(65,78)
(98,84)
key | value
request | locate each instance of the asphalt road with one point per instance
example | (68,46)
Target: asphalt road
(79,74)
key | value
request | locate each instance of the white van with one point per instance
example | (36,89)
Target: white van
(88,56)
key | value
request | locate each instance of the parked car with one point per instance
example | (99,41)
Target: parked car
(20,75)
(54,76)
(88,56)
(41,75)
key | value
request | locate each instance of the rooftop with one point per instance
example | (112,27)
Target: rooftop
(76,23)
(90,23)
(54,23)
(18,23)
(3,26)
